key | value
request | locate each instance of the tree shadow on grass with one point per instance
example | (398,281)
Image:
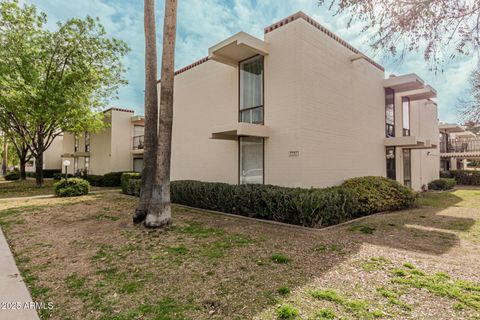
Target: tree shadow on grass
(222,267)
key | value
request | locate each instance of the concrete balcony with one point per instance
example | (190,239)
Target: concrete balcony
(460,148)
(240,129)
(409,142)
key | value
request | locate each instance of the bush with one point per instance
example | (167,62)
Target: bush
(57,176)
(112,179)
(127,187)
(132,187)
(12,175)
(442,184)
(377,194)
(74,187)
(49,173)
(305,207)
(94,180)
(465,177)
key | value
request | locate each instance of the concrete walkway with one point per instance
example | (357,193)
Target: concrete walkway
(15,300)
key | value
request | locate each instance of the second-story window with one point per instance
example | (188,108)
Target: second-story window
(87,141)
(406,116)
(389,113)
(251,90)
(75,146)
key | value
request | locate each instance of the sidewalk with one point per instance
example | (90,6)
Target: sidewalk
(13,291)
(46,196)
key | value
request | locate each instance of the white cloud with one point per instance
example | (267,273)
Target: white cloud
(202,23)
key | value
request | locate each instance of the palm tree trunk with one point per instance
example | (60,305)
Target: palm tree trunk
(159,210)
(151,113)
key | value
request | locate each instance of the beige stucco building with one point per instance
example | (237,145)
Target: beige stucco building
(300,108)
(457,147)
(118,147)
(52,159)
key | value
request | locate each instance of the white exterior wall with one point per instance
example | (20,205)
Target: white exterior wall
(205,97)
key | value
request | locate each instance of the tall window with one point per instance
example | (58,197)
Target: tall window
(251,90)
(76,144)
(87,142)
(391,167)
(407,167)
(389,113)
(251,160)
(137,164)
(406,116)
(87,164)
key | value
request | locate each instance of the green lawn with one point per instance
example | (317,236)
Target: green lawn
(85,256)
(9,189)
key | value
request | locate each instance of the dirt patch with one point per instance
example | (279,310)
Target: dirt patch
(85,255)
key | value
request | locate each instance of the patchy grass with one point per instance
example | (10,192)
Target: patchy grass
(9,189)
(84,255)
(466,198)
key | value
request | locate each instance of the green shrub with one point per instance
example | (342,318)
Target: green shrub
(306,207)
(126,185)
(48,173)
(94,180)
(377,194)
(132,187)
(74,187)
(57,176)
(442,184)
(464,177)
(12,175)
(112,179)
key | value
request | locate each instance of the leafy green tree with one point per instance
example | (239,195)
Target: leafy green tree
(54,81)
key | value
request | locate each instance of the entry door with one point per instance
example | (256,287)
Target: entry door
(251,160)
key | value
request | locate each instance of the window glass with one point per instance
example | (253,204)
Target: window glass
(391,168)
(389,112)
(138,131)
(251,160)
(407,168)
(87,142)
(137,165)
(251,83)
(406,116)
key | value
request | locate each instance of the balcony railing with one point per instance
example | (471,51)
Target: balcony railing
(138,142)
(460,145)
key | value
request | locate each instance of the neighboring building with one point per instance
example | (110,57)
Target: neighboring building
(52,159)
(457,147)
(118,147)
(300,108)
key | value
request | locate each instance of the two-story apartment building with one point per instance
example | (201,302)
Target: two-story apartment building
(300,108)
(457,147)
(118,147)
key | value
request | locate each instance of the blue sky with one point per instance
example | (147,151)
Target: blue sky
(202,23)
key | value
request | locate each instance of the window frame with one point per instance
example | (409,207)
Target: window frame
(394,162)
(388,125)
(262,106)
(407,182)
(239,163)
(87,145)
(406,132)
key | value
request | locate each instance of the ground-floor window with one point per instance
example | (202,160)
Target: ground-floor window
(407,167)
(251,160)
(444,164)
(391,167)
(87,164)
(137,164)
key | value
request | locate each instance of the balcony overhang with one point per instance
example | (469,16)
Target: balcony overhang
(423,94)
(461,155)
(410,142)
(75,154)
(138,120)
(232,132)
(404,83)
(450,128)
(238,47)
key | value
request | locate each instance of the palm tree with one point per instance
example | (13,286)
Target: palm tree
(151,112)
(159,210)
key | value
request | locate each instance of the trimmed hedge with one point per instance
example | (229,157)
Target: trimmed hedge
(12,175)
(47,173)
(94,180)
(130,187)
(442,184)
(307,207)
(465,177)
(74,187)
(377,194)
(112,179)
